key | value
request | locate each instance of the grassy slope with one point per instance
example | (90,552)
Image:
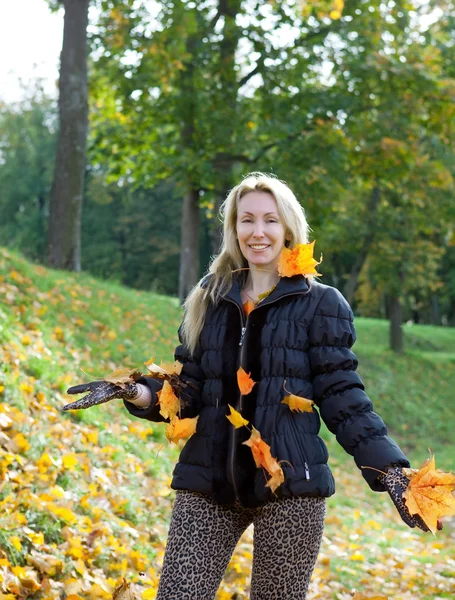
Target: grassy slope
(86,495)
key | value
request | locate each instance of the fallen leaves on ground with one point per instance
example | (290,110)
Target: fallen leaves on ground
(298,261)
(263,458)
(245,383)
(361,596)
(125,591)
(430,494)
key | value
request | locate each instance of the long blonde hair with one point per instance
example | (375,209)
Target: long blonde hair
(230,257)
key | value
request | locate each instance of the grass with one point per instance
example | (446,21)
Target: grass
(95,483)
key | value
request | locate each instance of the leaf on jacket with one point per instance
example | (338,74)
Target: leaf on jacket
(263,458)
(179,429)
(236,418)
(430,494)
(168,401)
(298,261)
(244,381)
(164,369)
(298,403)
(248,307)
(123,376)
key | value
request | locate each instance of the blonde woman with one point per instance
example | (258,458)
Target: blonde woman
(293,335)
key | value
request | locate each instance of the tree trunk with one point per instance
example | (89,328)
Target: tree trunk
(189,251)
(64,231)
(224,182)
(396,330)
(362,255)
(435,312)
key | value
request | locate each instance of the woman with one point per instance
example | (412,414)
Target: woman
(293,335)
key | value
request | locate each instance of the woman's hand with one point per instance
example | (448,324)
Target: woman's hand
(396,483)
(100,392)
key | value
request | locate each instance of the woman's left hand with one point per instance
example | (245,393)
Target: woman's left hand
(396,483)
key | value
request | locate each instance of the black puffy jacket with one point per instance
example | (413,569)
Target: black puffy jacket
(300,334)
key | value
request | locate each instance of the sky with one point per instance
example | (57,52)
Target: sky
(30,45)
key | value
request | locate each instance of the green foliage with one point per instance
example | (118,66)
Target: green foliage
(27,146)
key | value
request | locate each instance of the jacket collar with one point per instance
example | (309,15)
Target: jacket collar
(286,286)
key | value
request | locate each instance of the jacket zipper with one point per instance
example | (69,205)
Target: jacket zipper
(239,405)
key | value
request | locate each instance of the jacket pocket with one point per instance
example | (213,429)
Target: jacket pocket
(299,445)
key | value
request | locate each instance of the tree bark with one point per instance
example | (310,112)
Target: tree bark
(351,284)
(64,230)
(396,330)
(189,251)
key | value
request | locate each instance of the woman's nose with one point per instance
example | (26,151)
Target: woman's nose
(258,230)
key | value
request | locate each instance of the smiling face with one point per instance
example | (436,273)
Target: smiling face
(260,231)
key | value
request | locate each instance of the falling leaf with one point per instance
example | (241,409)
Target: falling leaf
(297,403)
(179,429)
(168,401)
(244,381)
(236,418)
(263,458)
(298,261)
(429,494)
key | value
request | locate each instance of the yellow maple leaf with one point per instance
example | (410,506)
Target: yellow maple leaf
(164,369)
(168,401)
(430,494)
(298,403)
(121,376)
(179,429)
(298,261)
(236,418)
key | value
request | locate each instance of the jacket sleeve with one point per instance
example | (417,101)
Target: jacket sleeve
(339,392)
(192,376)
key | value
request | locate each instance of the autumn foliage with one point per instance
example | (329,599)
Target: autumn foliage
(430,494)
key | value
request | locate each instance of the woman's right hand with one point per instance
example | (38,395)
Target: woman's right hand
(100,392)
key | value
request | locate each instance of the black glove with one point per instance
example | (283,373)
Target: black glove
(396,483)
(99,392)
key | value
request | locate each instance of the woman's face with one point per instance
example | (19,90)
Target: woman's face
(260,231)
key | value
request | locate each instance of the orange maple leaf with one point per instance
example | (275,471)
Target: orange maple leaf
(263,458)
(248,306)
(298,261)
(245,382)
(168,401)
(429,494)
(298,403)
(236,418)
(179,429)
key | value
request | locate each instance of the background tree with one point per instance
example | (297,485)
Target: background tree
(67,187)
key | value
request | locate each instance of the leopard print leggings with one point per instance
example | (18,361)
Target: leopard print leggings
(203,536)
